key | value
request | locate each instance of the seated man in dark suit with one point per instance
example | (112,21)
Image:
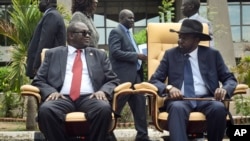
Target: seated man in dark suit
(75,78)
(194,71)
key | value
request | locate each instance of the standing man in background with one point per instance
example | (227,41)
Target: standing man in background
(190,9)
(50,32)
(127,64)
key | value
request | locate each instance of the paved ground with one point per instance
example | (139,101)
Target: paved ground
(121,134)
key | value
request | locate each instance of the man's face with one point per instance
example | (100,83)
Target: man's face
(128,20)
(80,37)
(43,5)
(187,42)
(94,5)
(187,8)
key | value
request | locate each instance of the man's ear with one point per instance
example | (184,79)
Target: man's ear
(70,35)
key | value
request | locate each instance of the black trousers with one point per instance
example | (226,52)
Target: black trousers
(214,111)
(137,104)
(51,116)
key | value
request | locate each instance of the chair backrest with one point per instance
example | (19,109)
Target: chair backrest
(159,39)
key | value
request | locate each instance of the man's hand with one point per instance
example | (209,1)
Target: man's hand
(220,94)
(55,96)
(99,95)
(175,93)
(142,57)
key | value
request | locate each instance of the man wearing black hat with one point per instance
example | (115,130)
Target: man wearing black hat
(194,71)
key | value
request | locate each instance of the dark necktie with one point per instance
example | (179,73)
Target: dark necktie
(77,76)
(188,80)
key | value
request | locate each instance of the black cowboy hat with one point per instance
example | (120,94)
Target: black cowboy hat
(190,26)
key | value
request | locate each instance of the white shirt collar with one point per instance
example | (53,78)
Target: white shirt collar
(194,53)
(194,16)
(72,50)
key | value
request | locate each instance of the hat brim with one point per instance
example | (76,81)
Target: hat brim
(203,37)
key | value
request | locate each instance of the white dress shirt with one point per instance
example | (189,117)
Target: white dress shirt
(86,85)
(199,85)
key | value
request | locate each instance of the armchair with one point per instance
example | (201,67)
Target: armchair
(159,39)
(77,120)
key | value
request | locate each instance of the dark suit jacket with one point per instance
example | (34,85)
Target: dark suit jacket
(123,56)
(211,65)
(50,32)
(51,74)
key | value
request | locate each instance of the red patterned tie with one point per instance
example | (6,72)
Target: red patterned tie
(77,77)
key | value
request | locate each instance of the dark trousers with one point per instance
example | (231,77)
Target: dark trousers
(51,117)
(137,104)
(214,111)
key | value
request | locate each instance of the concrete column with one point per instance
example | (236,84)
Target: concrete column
(218,15)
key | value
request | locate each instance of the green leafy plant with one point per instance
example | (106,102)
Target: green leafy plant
(242,71)
(242,105)
(166,10)
(141,37)
(10,101)
(23,18)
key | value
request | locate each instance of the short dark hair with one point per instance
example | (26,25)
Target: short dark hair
(196,4)
(53,3)
(81,5)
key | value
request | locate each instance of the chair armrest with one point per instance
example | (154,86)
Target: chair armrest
(241,89)
(122,89)
(146,85)
(29,90)
(126,85)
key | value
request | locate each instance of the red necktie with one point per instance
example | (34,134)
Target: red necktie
(77,77)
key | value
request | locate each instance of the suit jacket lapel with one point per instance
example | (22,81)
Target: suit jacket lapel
(125,35)
(63,58)
(202,60)
(89,60)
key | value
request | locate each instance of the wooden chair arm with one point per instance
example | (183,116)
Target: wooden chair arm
(241,89)
(145,85)
(122,89)
(126,85)
(29,90)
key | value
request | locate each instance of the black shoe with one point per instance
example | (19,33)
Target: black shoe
(111,137)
